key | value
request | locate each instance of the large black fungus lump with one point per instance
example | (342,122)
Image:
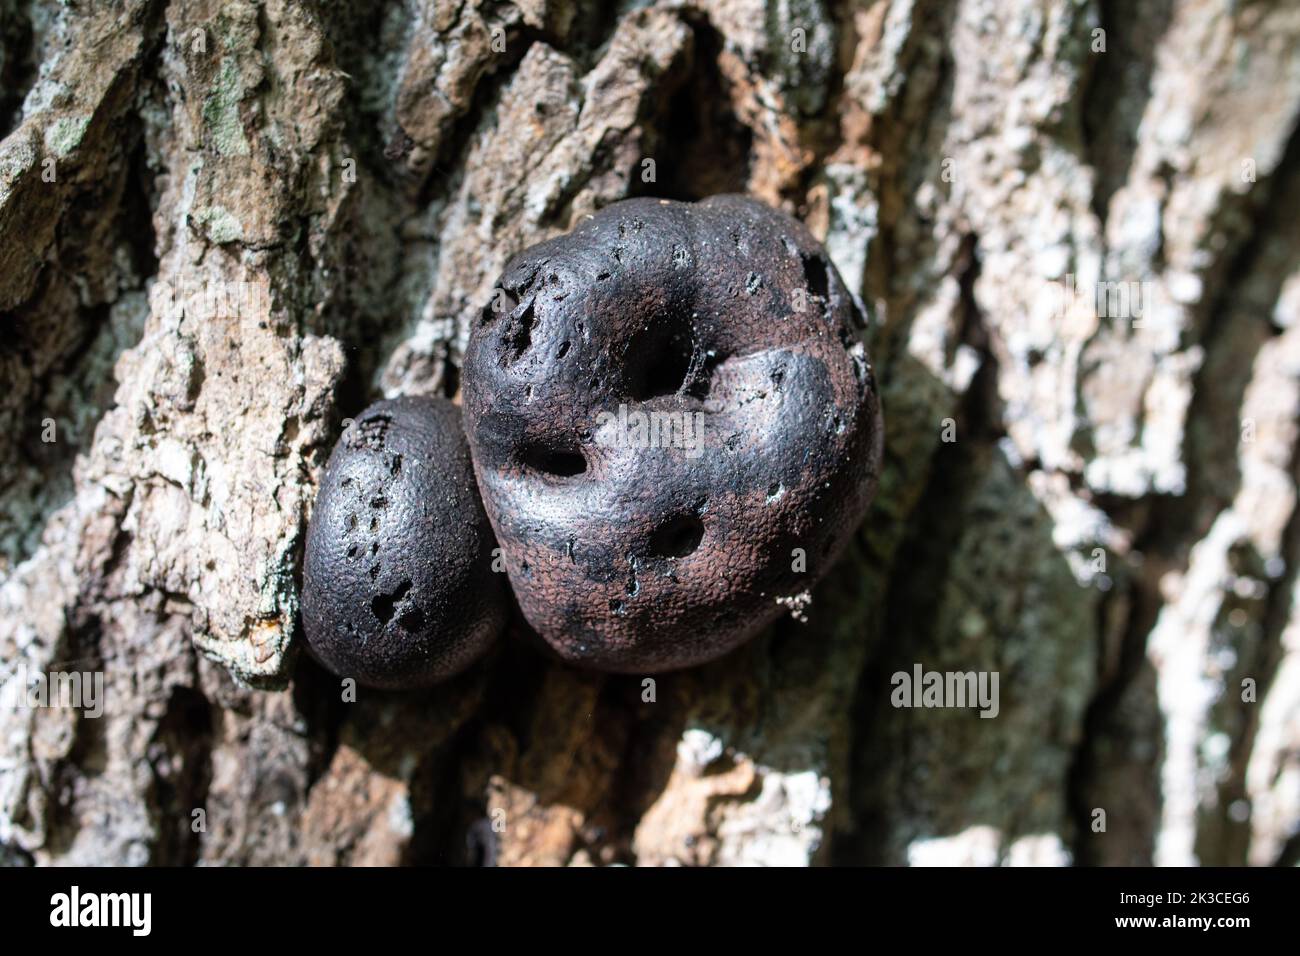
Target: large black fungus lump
(675,428)
(398,587)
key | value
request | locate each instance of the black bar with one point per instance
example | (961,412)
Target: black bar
(217,906)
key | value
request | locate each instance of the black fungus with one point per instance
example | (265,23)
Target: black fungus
(674,424)
(398,586)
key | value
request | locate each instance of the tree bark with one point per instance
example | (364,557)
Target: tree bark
(227,226)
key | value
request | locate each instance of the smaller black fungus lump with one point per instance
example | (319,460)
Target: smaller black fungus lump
(398,587)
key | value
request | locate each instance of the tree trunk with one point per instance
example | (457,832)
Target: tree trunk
(227,226)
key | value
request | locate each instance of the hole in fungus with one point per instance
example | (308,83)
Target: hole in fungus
(518,335)
(814,273)
(678,537)
(557,462)
(382,604)
(668,362)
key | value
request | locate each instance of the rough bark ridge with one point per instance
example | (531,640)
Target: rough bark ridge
(227,226)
